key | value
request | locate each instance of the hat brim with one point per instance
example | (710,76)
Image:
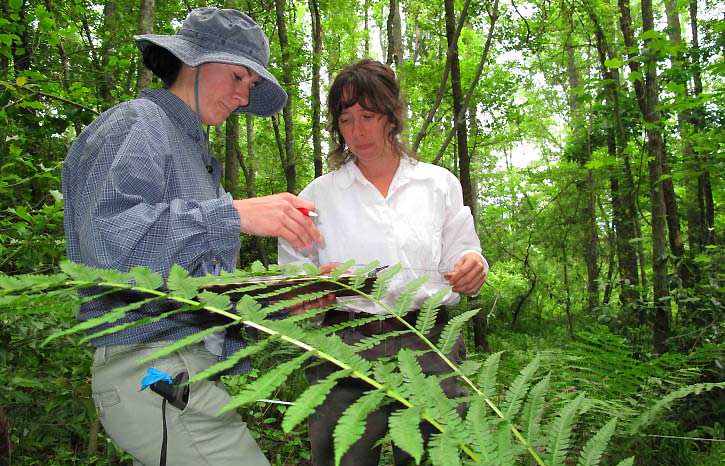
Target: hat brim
(265,99)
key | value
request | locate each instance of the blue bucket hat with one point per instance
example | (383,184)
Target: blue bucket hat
(225,36)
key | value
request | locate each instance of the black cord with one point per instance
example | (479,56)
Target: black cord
(162,460)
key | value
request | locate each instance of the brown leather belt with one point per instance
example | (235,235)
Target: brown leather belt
(390,324)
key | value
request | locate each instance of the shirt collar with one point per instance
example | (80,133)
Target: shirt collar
(348,173)
(177,110)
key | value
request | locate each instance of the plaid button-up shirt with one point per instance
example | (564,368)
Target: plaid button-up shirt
(141,189)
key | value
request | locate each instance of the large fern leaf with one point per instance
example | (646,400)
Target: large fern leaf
(265,385)
(592,452)
(233,359)
(505,450)
(452,330)
(626,462)
(516,392)
(404,428)
(480,431)
(560,432)
(351,424)
(429,310)
(361,274)
(310,399)
(413,376)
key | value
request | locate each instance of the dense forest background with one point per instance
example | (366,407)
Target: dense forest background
(587,136)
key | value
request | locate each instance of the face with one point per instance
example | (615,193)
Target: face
(365,133)
(222,89)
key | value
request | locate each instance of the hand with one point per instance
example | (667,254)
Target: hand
(277,215)
(322,302)
(468,274)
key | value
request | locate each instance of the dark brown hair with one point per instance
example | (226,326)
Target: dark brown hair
(374,86)
(162,63)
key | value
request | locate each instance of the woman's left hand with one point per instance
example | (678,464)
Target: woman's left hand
(468,274)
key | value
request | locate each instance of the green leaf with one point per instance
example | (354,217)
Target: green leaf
(404,426)
(310,268)
(594,448)
(614,63)
(341,268)
(534,408)
(232,360)
(626,462)
(351,424)
(453,329)
(180,283)
(487,377)
(310,399)
(265,385)
(257,267)
(407,296)
(516,392)
(79,272)
(429,310)
(361,274)
(560,432)
(182,343)
(444,450)
(383,281)
(146,278)
(219,301)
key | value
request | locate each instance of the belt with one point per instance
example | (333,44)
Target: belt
(375,327)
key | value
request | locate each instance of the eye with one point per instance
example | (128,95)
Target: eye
(237,77)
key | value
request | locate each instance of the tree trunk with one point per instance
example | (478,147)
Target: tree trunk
(231,160)
(316,59)
(247,166)
(395,41)
(110,38)
(367,28)
(290,162)
(145,26)
(5,447)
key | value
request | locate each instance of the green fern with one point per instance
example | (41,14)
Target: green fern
(443,450)
(516,393)
(452,330)
(404,427)
(594,449)
(232,360)
(534,408)
(407,296)
(626,462)
(310,399)
(429,311)
(380,287)
(265,385)
(560,431)
(361,274)
(351,425)
(487,376)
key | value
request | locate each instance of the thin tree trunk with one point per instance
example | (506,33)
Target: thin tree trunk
(290,163)
(316,59)
(395,41)
(5,447)
(145,26)
(110,38)
(367,28)
(647,94)
(247,166)
(231,160)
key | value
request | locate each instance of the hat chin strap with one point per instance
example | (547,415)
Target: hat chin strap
(196,91)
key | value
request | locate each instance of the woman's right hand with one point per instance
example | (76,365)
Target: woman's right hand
(278,215)
(321,302)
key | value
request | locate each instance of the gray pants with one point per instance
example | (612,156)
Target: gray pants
(365,452)
(132,418)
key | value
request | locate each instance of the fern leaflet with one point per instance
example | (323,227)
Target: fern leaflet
(516,392)
(405,431)
(429,311)
(229,362)
(487,377)
(443,450)
(265,385)
(351,424)
(362,273)
(310,399)
(452,330)
(405,300)
(560,432)
(383,281)
(534,408)
(593,450)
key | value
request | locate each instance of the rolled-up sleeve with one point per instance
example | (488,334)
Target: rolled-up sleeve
(458,233)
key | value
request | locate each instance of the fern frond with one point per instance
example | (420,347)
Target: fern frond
(310,399)
(228,363)
(337,272)
(180,283)
(505,452)
(330,329)
(135,323)
(146,278)
(560,432)
(407,296)
(487,377)
(265,385)
(361,274)
(374,340)
(404,428)
(412,376)
(534,408)
(480,431)
(351,424)
(516,392)
(443,450)
(594,448)
(429,311)
(651,413)
(626,462)
(332,344)
(380,287)
(452,330)
(183,343)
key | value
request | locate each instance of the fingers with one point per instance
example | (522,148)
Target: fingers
(326,300)
(327,268)
(468,274)
(277,215)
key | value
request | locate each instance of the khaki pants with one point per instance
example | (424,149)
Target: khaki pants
(132,418)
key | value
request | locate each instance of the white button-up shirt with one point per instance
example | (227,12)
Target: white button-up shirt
(421,224)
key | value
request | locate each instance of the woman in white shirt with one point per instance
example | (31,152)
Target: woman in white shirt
(381,204)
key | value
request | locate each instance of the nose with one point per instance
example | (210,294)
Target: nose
(242,94)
